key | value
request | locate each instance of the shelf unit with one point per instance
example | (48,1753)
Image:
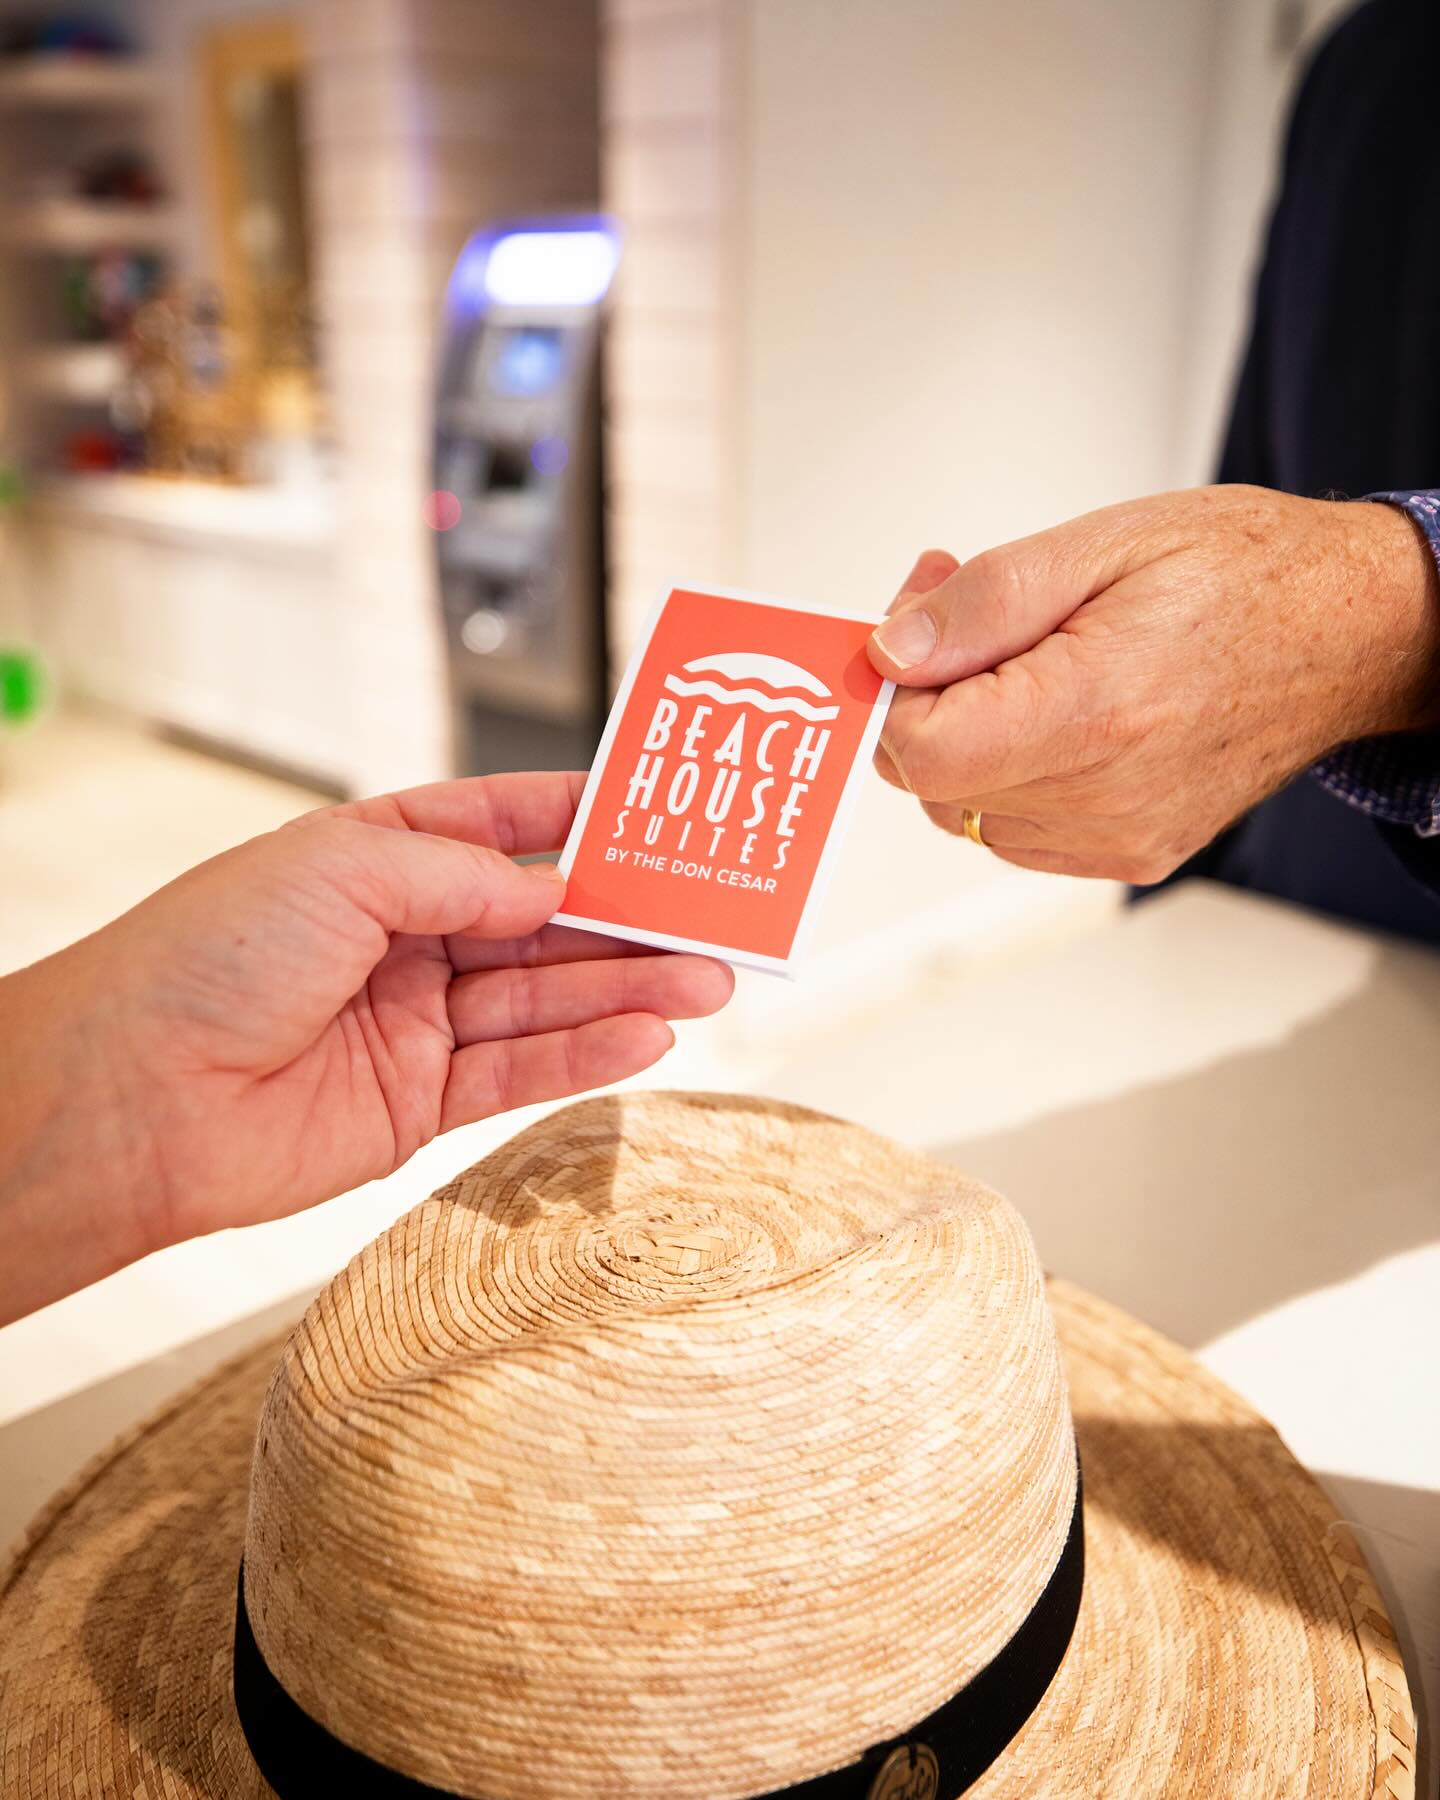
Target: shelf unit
(75,227)
(82,374)
(55,111)
(43,82)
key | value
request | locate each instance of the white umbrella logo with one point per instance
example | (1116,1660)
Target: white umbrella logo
(731,678)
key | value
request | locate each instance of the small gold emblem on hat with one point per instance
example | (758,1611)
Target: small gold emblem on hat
(909,1773)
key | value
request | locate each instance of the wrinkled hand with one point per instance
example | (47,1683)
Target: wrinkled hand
(302,1013)
(1113,693)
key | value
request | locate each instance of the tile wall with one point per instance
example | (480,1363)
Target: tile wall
(427,118)
(670,137)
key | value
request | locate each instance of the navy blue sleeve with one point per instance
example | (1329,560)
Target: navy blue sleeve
(1396,780)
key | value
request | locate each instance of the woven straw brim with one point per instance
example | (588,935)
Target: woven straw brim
(1231,1643)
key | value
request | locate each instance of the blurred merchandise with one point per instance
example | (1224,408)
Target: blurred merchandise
(20,687)
(71,34)
(189,390)
(20,682)
(100,294)
(123,364)
(86,231)
(93,450)
(120,174)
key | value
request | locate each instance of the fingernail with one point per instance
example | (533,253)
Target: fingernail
(907,638)
(548,871)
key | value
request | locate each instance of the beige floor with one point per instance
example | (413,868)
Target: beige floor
(95,814)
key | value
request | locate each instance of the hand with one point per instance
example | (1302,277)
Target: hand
(299,1015)
(1113,693)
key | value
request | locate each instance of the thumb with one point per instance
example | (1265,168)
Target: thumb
(413,881)
(998,605)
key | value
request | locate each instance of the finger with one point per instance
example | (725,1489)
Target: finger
(1021,722)
(1098,862)
(519,814)
(506,1003)
(1000,831)
(409,881)
(1003,602)
(489,1078)
(551,944)
(1052,862)
(931,568)
(996,606)
(889,770)
(1109,849)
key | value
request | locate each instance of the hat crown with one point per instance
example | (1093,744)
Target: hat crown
(685,1446)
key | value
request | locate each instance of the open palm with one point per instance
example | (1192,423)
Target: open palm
(302,1013)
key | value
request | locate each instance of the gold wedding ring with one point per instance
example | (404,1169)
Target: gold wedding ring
(970,825)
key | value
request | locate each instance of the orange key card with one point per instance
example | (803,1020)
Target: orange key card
(715,807)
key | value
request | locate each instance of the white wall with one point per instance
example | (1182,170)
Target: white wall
(967,256)
(1255,70)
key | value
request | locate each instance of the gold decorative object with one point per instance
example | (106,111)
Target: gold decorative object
(191,386)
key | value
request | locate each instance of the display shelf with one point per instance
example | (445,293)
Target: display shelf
(56,81)
(82,374)
(79,226)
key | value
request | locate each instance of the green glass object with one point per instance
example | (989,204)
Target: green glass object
(20,687)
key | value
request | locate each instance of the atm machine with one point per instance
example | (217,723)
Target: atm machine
(516,509)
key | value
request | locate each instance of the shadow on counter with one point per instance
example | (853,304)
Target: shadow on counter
(1199,1202)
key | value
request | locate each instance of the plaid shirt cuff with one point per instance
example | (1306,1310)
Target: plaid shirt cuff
(1396,779)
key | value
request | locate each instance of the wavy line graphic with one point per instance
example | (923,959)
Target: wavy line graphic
(753,665)
(750,697)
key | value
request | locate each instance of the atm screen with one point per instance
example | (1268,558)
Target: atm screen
(529,361)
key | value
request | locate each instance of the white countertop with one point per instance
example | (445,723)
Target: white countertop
(1215,1111)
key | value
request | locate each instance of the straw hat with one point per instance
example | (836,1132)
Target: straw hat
(695,1449)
